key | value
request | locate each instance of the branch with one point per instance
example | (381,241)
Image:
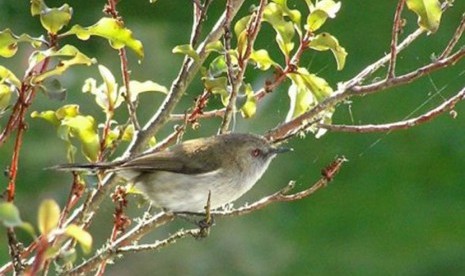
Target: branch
(455,38)
(145,226)
(396,26)
(180,84)
(235,80)
(426,117)
(232,77)
(351,88)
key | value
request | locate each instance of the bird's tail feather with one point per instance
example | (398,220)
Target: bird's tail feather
(81,167)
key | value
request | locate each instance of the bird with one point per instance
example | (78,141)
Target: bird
(181,178)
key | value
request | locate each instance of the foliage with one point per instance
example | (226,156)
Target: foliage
(220,62)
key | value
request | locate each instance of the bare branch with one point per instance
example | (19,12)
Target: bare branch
(455,38)
(405,124)
(409,77)
(396,27)
(350,88)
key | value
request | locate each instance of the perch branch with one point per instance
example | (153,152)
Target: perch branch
(426,117)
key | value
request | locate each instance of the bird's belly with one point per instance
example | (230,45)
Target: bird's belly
(189,193)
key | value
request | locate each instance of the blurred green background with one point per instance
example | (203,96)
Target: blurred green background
(397,207)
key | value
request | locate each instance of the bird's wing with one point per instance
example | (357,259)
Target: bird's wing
(164,161)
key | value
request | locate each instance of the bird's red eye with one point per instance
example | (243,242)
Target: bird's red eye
(256,152)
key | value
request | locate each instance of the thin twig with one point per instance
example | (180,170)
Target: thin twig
(455,38)
(231,72)
(409,77)
(405,124)
(200,12)
(396,27)
(350,88)
(253,27)
(180,84)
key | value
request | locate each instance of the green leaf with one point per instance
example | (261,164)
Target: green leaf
(37,6)
(241,25)
(83,127)
(330,7)
(320,12)
(324,42)
(112,30)
(315,20)
(81,235)
(301,99)
(215,46)
(429,13)
(48,217)
(106,94)
(66,51)
(186,49)
(138,87)
(249,108)
(262,59)
(9,42)
(217,86)
(305,92)
(48,116)
(217,66)
(69,110)
(54,19)
(5,96)
(294,15)
(9,215)
(7,76)
(274,15)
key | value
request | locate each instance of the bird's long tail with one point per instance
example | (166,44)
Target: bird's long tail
(79,167)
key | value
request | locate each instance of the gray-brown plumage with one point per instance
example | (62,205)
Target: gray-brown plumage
(180,178)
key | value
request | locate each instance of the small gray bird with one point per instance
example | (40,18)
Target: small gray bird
(180,178)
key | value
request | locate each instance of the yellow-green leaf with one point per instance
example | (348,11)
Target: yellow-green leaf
(37,6)
(48,116)
(5,96)
(216,85)
(81,235)
(67,51)
(54,19)
(330,7)
(294,15)
(112,30)
(301,99)
(186,49)
(262,59)
(7,76)
(9,215)
(428,11)
(138,87)
(83,127)
(285,32)
(49,215)
(249,108)
(241,25)
(9,42)
(69,110)
(215,46)
(315,20)
(324,42)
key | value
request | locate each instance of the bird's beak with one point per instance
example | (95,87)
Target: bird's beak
(281,150)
